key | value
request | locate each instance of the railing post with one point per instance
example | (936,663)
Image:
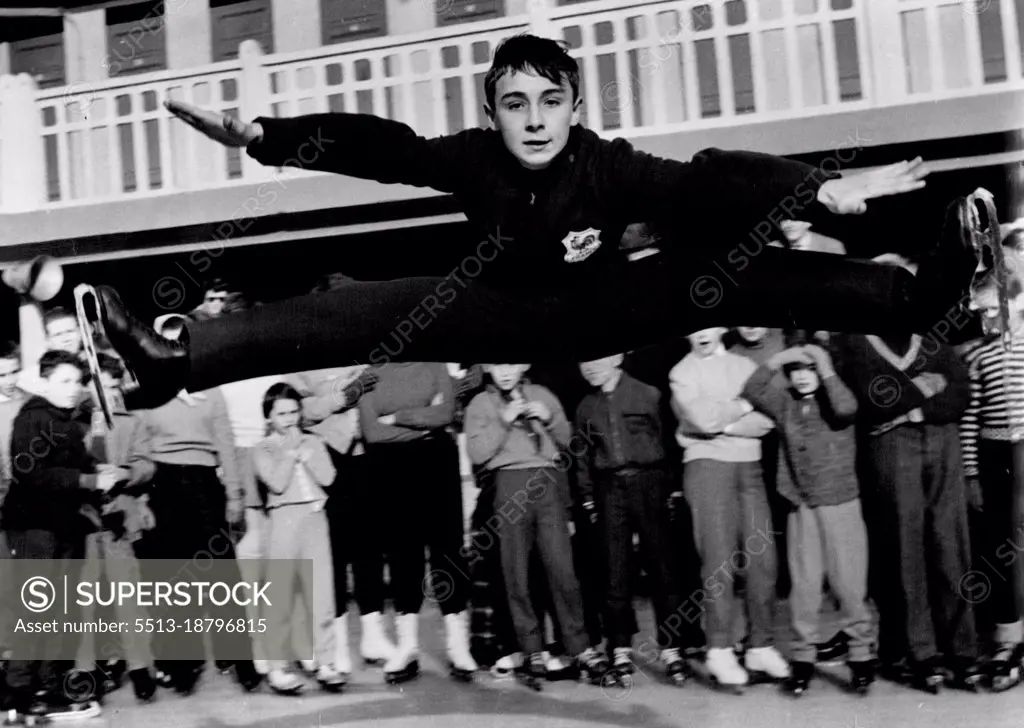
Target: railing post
(254,100)
(540,19)
(886,58)
(23,164)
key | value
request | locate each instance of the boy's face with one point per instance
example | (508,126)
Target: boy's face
(9,371)
(534,116)
(64,386)
(752,334)
(804,380)
(707,341)
(506,376)
(601,371)
(63,334)
(284,415)
(214,302)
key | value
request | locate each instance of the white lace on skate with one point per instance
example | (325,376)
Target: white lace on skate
(622,656)
(671,655)
(767,660)
(721,662)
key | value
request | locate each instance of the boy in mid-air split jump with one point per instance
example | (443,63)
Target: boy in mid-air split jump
(551,199)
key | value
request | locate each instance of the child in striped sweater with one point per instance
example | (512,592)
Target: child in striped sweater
(996,404)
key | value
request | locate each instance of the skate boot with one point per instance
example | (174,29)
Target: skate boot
(247,675)
(622,661)
(675,666)
(142,685)
(57,706)
(927,676)
(342,655)
(461,662)
(283,682)
(965,674)
(765,664)
(307,666)
(592,666)
(331,679)
(835,649)
(862,674)
(800,680)
(725,670)
(507,666)
(405,664)
(186,677)
(1004,669)
(533,671)
(374,646)
(558,667)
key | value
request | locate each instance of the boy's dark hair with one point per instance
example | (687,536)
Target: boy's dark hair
(49,362)
(530,53)
(281,390)
(56,314)
(10,350)
(217,285)
(110,364)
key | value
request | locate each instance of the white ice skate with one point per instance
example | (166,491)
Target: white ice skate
(766,664)
(374,646)
(725,669)
(461,662)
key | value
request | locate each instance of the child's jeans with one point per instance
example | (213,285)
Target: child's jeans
(109,558)
(732,525)
(300,531)
(532,511)
(830,541)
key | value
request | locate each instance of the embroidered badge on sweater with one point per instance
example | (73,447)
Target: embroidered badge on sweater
(581,245)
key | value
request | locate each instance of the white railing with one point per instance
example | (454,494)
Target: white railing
(646,68)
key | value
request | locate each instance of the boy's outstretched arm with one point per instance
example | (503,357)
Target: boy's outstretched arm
(357,145)
(758,190)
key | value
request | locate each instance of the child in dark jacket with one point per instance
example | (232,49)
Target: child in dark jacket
(54,481)
(814,415)
(516,430)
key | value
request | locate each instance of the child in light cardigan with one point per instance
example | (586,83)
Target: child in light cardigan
(295,467)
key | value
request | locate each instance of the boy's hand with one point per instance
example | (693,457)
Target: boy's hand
(437,400)
(217,125)
(387,419)
(930,383)
(105,480)
(538,410)
(848,195)
(792,355)
(235,512)
(512,411)
(821,358)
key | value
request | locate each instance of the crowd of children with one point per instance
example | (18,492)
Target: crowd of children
(759,454)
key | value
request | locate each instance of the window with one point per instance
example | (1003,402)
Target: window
(136,38)
(237,20)
(450,12)
(345,20)
(37,48)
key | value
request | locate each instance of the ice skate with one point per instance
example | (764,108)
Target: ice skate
(1004,669)
(592,666)
(331,679)
(675,666)
(461,662)
(374,646)
(765,664)
(283,682)
(799,680)
(862,674)
(725,670)
(404,665)
(342,654)
(533,671)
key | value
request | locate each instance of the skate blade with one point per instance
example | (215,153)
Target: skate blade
(92,711)
(89,346)
(411,672)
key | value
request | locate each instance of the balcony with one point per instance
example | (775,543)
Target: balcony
(650,70)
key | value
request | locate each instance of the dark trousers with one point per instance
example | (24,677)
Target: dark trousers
(635,502)
(189,509)
(421,484)
(920,549)
(354,504)
(999,537)
(634,305)
(61,552)
(533,515)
